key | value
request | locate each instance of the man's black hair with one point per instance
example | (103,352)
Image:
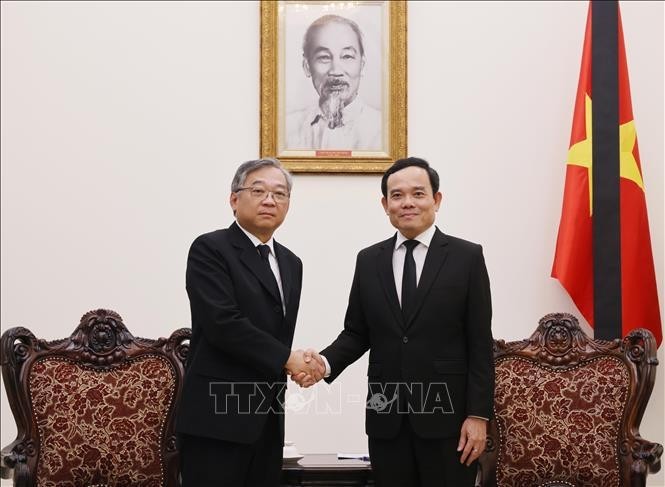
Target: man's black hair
(408,162)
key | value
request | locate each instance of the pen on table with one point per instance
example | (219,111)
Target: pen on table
(364,458)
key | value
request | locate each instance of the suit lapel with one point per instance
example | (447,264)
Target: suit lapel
(250,257)
(436,256)
(387,277)
(285,272)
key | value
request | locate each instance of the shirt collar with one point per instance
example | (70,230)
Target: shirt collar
(424,238)
(256,242)
(349,113)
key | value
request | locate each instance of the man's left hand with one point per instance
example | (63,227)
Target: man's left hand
(472,439)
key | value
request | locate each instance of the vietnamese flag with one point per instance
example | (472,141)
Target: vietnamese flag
(603,253)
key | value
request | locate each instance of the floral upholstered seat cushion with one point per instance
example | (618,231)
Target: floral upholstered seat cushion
(101,427)
(559,425)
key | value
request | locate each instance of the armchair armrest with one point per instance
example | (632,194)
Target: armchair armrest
(646,459)
(14,466)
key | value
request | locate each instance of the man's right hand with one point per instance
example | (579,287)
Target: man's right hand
(303,370)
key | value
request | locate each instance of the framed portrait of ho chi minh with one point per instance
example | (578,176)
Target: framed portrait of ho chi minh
(333,84)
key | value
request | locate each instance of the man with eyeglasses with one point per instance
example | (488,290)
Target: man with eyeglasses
(244,293)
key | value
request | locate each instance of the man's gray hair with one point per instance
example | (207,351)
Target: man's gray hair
(250,166)
(323,21)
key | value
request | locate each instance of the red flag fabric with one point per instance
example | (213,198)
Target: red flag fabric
(573,260)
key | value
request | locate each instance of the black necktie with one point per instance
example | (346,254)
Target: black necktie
(409,279)
(264,250)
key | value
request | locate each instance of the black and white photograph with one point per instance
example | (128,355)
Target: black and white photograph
(333,78)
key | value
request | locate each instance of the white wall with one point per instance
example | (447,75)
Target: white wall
(122,124)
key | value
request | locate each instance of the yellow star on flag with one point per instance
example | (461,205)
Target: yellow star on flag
(580,154)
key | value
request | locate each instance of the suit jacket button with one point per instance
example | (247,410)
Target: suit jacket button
(278,309)
(405,339)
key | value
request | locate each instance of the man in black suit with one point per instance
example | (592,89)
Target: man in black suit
(244,293)
(420,303)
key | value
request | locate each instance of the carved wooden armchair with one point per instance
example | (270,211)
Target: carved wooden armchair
(568,409)
(96,408)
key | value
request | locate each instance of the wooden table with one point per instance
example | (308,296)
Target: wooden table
(324,470)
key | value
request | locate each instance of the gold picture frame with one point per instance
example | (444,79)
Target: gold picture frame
(297,123)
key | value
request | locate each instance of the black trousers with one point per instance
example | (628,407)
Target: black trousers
(410,461)
(207,462)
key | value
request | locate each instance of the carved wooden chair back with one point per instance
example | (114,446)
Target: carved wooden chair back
(568,409)
(97,408)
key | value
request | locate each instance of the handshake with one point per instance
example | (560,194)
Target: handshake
(306,367)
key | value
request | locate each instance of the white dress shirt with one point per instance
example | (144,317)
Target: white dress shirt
(362,129)
(271,259)
(419,254)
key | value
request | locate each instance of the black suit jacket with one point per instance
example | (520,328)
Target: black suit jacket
(241,337)
(443,351)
